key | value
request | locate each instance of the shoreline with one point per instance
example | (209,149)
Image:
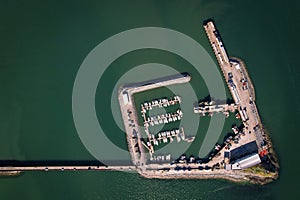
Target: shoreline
(238,177)
(272,152)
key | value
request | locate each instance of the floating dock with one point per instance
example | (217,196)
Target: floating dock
(164,102)
(162,119)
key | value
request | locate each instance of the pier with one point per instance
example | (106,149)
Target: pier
(17,166)
(64,168)
(239,84)
(208,108)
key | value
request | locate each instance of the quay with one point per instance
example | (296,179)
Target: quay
(240,86)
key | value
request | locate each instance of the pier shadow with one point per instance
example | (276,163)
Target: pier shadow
(157,80)
(32,163)
(229,101)
(208,98)
(208,20)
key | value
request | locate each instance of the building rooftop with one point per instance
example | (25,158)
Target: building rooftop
(246,162)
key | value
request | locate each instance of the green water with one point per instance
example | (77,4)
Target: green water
(42,45)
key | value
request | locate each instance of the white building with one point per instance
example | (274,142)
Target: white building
(246,162)
(125,98)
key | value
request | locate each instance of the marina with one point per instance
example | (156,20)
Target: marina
(167,135)
(130,118)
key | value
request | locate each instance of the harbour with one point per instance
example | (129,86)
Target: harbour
(36,86)
(249,143)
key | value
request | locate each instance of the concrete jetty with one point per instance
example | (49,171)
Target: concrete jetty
(210,109)
(239,84)
(64,168)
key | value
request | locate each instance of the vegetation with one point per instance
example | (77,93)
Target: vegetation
(259,170)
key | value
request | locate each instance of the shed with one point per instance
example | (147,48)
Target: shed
(125,98)
(247,161)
